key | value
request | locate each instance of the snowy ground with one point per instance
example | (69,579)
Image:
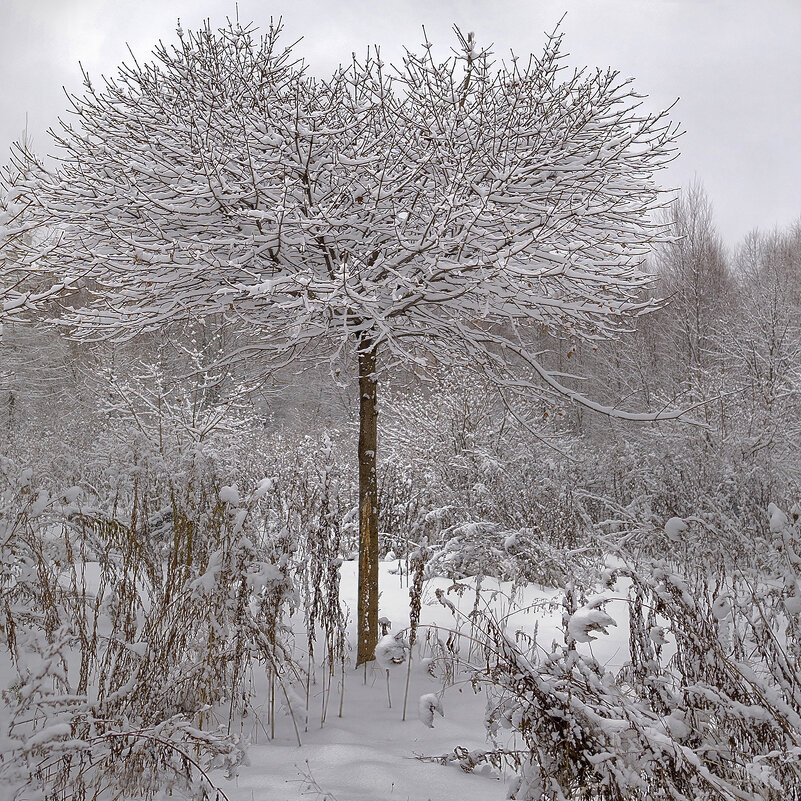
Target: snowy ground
(369,754)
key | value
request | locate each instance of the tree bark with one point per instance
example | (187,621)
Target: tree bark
(367,623)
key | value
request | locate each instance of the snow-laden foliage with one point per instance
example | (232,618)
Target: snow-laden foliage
(220,179)
(133,636)
(427,705)
(391,651)
(707,706)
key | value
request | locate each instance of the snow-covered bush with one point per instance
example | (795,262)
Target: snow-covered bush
(461,472)
(706,708)
(134,648)
(521,556)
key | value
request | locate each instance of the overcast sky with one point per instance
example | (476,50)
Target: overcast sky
(734,65)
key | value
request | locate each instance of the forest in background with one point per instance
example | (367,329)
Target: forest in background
(724,346)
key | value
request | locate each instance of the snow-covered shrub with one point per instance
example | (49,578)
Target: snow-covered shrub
(521,556)
(647,478)
(391,651)
(135,653)
(321,547)
(461,472)
(427,705)
(707,707)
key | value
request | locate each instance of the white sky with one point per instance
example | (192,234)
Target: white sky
(735,66)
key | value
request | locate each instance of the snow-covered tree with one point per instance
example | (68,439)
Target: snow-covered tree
(433,213)
(698,287)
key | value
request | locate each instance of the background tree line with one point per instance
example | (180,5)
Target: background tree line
(724,343)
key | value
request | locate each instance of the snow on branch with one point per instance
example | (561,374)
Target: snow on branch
(424,207)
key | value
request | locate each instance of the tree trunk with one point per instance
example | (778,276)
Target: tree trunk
(367,623)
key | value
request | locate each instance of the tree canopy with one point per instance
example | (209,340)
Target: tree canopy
(426,201)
